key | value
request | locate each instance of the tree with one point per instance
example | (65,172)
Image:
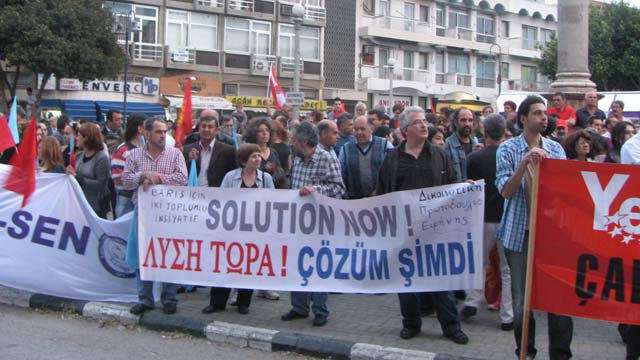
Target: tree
(614,52)
(65,38)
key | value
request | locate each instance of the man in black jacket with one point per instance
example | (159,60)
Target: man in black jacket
(416,164)
(213,158)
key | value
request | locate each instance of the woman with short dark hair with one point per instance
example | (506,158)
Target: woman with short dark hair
(248,175)
(579,146)
(92,168)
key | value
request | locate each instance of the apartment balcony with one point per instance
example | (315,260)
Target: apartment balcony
(519,47)
(258,64)
(263,9)
(308,69)
(315,12)
(144,54)
(397,28)
(217,4)
(528,85)
(192,59)
(376,78)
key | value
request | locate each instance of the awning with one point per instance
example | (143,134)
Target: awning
(80,109)
(149,109)
(50,103)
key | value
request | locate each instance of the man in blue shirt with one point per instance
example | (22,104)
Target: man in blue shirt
(515,161)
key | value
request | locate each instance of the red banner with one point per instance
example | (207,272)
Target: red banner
(587,245)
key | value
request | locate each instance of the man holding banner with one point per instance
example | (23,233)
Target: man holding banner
(314,170)
(515,161)
(151,165)
(416,164)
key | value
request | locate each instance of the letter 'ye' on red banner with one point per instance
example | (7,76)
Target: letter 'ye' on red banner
(587,245)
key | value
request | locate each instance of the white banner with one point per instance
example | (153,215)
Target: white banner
(56,244)
(409,241)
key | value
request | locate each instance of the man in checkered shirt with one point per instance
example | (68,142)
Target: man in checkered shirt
(515,161)
(155,163)
(314,170)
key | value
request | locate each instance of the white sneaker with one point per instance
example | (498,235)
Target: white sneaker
(268,294)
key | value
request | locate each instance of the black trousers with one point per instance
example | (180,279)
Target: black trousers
(633,342)
(219,297)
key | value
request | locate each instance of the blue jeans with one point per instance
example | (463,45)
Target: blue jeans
(123,205)
(300,302)
(560,326)
(145,292)
(446,311)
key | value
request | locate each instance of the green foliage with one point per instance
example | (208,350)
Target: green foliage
(614,50)
(68,38)
(548,64)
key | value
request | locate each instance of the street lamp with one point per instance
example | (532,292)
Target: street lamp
(297,15)
(499,78)
(391,62)
(129,27)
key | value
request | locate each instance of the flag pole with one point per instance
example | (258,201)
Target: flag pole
(531,249)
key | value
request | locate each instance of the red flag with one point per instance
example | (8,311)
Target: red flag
(586,257)
(6,139)
(279,98)
(185,122)
(22,178)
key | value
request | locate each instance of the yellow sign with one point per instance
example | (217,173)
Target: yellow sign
(261,102)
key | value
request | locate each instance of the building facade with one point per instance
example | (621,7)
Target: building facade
(441,47)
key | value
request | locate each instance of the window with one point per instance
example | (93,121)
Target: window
(247,36)
(440,68)
(383,57)
(408,66)
(409,14)
(528,75)
(191,30)
(485,76)
(384,7)
(440,18)
(529,37)
(309,42)
(424,14)
(458,18)
(423,63)
(459,63)
(369,6)
(145,43)
(486,29)
(505,70)
(546,35)
(504,29)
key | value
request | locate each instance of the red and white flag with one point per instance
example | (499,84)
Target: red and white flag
(279,97)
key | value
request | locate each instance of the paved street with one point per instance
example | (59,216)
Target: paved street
(36,335)
(375,319)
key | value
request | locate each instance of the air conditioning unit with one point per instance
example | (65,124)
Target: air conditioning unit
(180,56)
(260,66)
(286,10)
(369,49)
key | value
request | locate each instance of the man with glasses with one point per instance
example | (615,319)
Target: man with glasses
(565,112)
(416,164)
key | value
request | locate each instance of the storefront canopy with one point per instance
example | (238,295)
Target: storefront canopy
(149,109)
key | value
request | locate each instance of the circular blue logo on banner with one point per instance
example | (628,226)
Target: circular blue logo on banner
(112,251)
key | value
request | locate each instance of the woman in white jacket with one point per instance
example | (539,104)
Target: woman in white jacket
(248,175)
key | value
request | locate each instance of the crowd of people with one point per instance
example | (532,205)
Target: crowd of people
(355,156)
